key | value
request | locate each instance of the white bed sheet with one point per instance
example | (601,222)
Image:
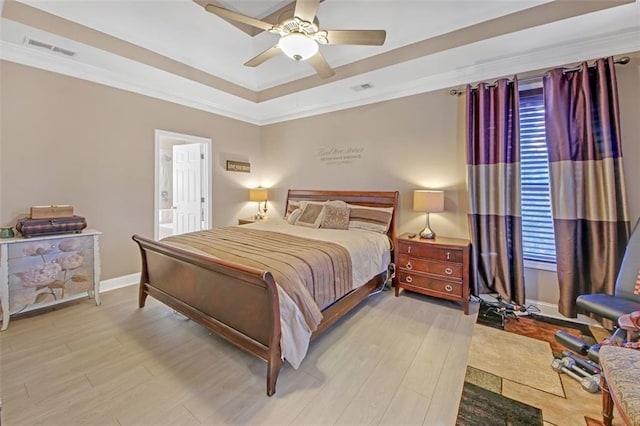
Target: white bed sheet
(370,255)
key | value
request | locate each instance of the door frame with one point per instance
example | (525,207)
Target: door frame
(206,176)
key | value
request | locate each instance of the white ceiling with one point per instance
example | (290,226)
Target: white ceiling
(179,52)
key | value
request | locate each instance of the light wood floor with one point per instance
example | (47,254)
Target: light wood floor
(391,361)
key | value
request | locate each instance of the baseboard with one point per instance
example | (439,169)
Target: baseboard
(546,309)
(119,282)
(551,310)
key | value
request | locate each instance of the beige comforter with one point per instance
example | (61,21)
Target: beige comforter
(312,273)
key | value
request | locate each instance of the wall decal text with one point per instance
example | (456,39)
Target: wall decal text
(340,155)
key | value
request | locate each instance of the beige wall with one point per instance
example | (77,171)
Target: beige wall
(629,92)
(407,144)
(65,140)
(418,142)
(69,141)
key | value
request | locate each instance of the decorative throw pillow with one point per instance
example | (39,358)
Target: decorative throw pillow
(376,219)
(291,207)
(293,216)
(636,289)
(336,203)
(335,217)
(311,215)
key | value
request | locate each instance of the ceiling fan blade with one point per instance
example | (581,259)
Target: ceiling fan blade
(262,57)
(364,37)
(321,66)
(306,9)
(228,14)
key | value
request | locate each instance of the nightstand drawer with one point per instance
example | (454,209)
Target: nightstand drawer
(445,269)
(450,288)
(437,267)
(435,253)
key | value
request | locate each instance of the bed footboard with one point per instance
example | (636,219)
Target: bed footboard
(238,303)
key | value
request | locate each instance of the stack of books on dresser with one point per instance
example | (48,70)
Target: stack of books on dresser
(51,220)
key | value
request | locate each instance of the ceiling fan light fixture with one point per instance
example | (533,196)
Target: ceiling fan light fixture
(298,46)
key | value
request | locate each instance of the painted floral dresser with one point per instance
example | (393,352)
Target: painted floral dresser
(42,271)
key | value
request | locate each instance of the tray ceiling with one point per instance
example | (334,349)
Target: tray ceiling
(175,50)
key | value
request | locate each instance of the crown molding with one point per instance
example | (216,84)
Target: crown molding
(623,42)
(148,81)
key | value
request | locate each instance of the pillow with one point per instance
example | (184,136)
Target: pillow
(337,203)
(311,215)
(636,289)
(293,216)
(335,217)
(291,207)
(376,219)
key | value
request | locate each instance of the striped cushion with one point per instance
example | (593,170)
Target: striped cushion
(636,289)
(293,216)
(291,207)
(376,219)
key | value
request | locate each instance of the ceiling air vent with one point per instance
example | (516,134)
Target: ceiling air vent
(63,51)
(362,87)
(47,46)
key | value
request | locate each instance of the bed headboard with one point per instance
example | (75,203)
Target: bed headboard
(363,198)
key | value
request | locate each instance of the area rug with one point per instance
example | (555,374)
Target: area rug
(480,406)
(515,357)
(501,354)
(535,326)
(592,422)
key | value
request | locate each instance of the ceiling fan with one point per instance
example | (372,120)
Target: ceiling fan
(300,35)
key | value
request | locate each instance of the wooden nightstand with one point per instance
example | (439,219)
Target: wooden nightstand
(438,267)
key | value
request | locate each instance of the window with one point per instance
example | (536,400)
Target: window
(538,241)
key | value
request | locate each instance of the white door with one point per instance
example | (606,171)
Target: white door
(187,188)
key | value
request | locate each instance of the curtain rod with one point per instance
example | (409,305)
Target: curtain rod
(622,61)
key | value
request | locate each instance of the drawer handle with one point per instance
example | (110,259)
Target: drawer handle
(409,249)
(408,279)
(448,255)
(448,271)
(448,287)
(409,265)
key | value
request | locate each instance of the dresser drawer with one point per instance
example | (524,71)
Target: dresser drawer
(437,267)
(450,288)
(445,269)
(435,253)
(45,270)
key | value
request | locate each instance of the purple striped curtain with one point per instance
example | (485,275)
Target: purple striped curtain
(588,195)
(493,173)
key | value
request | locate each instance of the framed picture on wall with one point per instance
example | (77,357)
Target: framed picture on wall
(238,166)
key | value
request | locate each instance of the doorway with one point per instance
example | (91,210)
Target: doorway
(182,184)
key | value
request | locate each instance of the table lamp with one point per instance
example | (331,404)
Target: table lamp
(429,202)
(259,195)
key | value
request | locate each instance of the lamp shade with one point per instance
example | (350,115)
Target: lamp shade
(428,201)
(258,194)
(298,46)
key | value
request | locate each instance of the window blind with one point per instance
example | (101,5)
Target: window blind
(537,225)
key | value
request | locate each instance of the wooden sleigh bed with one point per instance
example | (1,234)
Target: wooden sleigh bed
(241,303)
